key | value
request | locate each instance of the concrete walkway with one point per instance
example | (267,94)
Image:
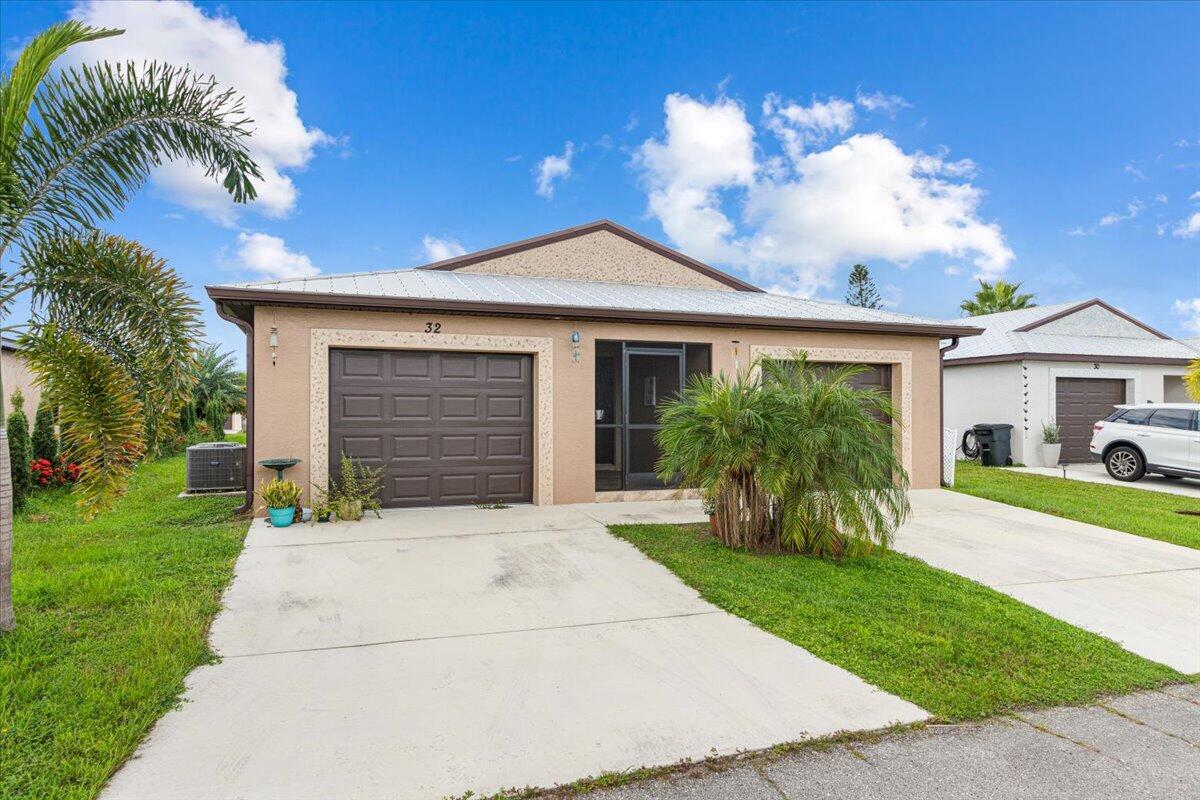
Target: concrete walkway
(1095,473)
(437,651)
(1141,593)
(1144,745)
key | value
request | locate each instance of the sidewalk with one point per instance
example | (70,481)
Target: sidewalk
(1143,745)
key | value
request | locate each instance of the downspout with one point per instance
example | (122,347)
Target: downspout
(247,327)
(942,407)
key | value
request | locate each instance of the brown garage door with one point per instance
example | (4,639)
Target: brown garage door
(447,428)
(1079,404)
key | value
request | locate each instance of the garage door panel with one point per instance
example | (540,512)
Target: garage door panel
(1079,404)
(448,428)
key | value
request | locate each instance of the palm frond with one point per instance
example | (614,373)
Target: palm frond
(19,87)
(100,413)
(102,128)
(121,300)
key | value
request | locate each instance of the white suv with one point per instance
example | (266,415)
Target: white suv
(1153,437)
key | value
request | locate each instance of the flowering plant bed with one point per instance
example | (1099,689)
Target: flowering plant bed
(47,473)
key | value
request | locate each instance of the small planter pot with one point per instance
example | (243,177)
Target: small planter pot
(712,524)
(282,517)
(350,510)
(1050,454)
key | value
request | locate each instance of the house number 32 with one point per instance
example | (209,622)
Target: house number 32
(433,327)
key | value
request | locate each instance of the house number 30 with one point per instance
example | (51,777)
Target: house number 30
(433,327)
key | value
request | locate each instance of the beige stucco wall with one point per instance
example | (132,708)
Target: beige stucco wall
(283,406)
(599,256)
(17,376)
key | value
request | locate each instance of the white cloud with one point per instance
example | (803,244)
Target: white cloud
(860,199)
(1078,231)
(798,127)
(1160,198)
(631,123)
(440,249)
(878,101)
(1195,196)
(1188,228)
(953,269)
(269,256)
(1190,311)
(1131,169)
(553,168)
(179,33)
(1134,208)
(513,158)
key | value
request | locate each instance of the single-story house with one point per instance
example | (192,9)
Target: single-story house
(531,372)
(17,375)
(1069,364)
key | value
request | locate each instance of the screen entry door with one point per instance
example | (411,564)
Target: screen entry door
(653,376)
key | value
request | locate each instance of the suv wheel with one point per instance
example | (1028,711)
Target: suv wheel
(1125,464)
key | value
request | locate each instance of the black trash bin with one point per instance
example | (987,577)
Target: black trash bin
(995,445)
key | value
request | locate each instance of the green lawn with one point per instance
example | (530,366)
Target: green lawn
(111,616)
(1137,511)
(953,647)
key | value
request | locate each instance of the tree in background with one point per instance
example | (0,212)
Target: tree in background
(991,298)
(74,149)
(45,441)
(20,451)
(220,388)
(861,290)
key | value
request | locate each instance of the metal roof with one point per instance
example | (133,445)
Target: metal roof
(474,289)
(1002,338)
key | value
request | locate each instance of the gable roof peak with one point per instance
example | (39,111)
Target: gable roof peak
(607,225)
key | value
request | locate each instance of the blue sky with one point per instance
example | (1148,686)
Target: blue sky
(1057,145)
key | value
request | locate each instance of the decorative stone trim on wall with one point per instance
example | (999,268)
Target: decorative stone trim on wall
(900,358)
(542,349)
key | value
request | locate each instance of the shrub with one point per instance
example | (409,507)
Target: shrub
(1051,433)
(791,456)
(187,418)
(20,450)
(45,442)
(215,417)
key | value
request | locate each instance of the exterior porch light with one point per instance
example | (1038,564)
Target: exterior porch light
(274,340)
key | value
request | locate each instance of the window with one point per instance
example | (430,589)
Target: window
(1178,418)
(1135,416)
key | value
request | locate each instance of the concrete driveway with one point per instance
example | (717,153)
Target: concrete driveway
(438,651)
(1095,473)
(1141,593)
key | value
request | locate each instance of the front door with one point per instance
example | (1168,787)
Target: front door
(653,377)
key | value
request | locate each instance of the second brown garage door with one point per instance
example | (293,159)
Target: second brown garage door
(1079,404)
(447,428)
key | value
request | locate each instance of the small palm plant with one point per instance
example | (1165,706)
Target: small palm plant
(1191,380)
(791,457)
(835,470)
(715,437)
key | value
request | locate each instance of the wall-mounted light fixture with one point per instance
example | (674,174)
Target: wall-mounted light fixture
(575,346)
(274,340)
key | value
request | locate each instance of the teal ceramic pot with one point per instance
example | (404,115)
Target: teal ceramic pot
(281,517)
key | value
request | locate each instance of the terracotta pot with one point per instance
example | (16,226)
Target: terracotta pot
(712,524)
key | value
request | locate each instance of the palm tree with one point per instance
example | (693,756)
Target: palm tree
(74,148)
(1191,379)
(790,456)
(220,388)
(993,297)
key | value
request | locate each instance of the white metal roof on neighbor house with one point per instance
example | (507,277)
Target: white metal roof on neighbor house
(1001,338)
(469,288)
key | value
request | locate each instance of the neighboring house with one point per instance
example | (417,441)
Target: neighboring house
(234,423)
(1068,363)
(17,376)
(532,372)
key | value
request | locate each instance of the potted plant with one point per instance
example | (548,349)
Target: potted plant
(1051,444)
(280,498)
(710,508)
(352,493)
